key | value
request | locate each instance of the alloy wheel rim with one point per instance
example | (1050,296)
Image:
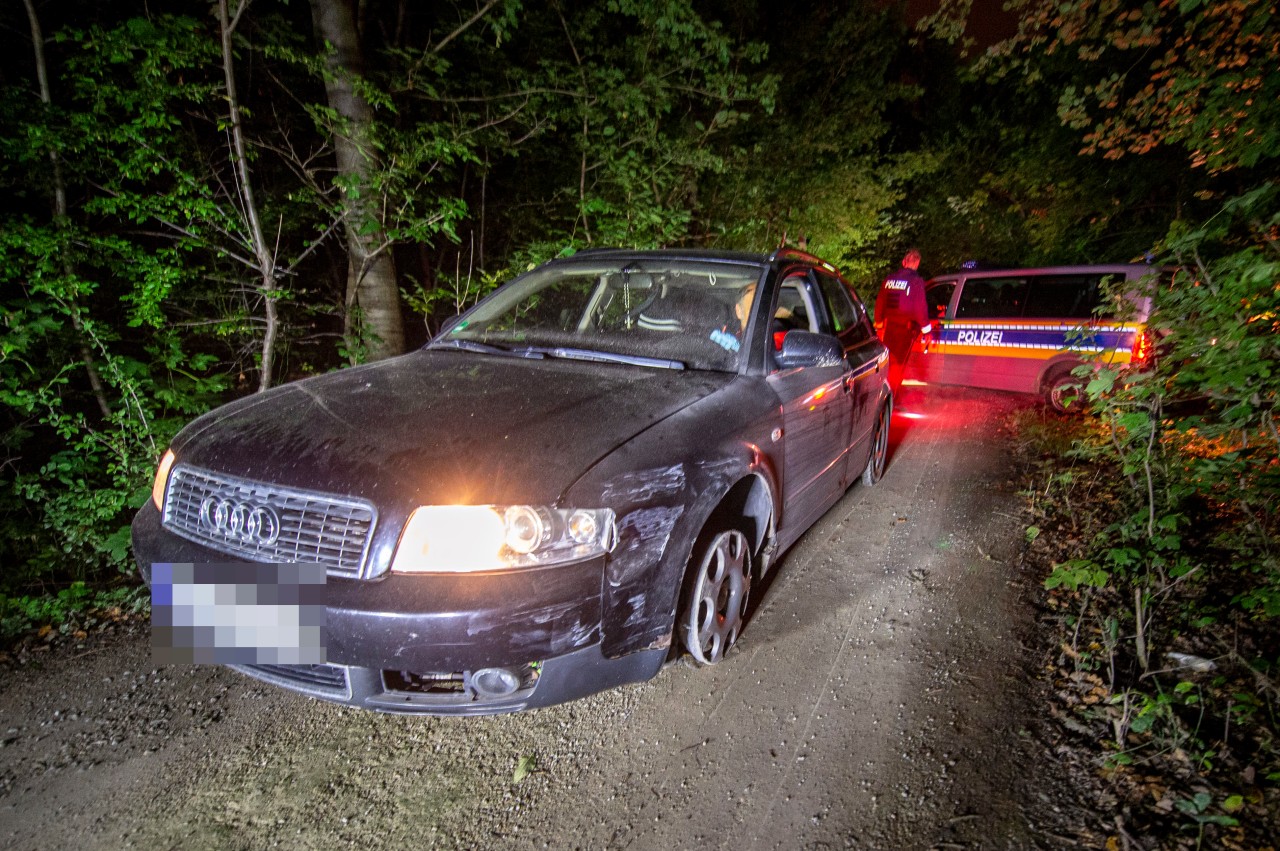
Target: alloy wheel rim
(719,602)
(882,440)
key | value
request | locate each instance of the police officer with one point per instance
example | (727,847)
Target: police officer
(902,314)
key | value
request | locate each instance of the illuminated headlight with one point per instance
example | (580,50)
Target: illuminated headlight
(525,528)
(161,480)
(467,538)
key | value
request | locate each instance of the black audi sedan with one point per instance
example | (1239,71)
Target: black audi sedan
(574,482)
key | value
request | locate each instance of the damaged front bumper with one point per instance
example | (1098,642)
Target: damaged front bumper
(564,678)
(445,644)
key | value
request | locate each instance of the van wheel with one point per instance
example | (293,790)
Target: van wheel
(715,605)
(1065,394)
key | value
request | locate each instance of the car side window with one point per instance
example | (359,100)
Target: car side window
(794,310)
(799,308)
(840,306)
(992,298)
(938,298)
(1069,296)
(861,330)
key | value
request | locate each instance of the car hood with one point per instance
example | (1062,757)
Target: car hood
(440,427)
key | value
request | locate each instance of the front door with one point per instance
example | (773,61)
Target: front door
(817,412)
(816,422)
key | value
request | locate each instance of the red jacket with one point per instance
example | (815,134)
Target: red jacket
(901,300)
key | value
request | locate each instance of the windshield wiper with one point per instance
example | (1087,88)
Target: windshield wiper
(605,357)
(486,348)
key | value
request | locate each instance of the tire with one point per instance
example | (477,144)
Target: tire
(716,596)
(879,459)
(1065,394)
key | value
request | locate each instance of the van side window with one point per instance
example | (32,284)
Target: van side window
(938,297)
(1063,296)
(989,298)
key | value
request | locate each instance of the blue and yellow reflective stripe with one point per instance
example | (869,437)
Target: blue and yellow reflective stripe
(1037,340)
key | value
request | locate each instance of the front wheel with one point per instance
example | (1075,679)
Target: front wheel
(716,603)
(879,445)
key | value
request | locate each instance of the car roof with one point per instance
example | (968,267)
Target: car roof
(1130,270)
(777,257)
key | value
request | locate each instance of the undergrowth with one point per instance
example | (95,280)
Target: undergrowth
(72,612)
(1159,671)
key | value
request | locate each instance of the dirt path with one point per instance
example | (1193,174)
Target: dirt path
(877,699)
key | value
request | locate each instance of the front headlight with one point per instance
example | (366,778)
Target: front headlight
(161,480)
(468,538)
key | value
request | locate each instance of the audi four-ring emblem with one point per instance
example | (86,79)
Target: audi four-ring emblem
(240,521)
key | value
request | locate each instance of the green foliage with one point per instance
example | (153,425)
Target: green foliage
(1222,321)
(1200,430)
(1076,573)
(1184,554)
(67,609)
(650,91)
(1182,539)
(1197,434)
(1186,74)
(78,470)
(1149,723)
(452,296)
(1013,190)
(1197,808)
(93,378)
(820,164)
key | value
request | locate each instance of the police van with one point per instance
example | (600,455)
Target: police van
(1025,330)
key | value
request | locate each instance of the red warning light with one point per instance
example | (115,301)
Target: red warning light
(1143,347)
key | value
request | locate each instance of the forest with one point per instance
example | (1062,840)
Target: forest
(206,199)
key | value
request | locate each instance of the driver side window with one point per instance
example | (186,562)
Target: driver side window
(795,309)
(938,298)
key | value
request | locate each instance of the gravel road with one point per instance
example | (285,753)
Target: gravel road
(880,697)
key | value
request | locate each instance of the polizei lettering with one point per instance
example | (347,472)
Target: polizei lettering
(980,338)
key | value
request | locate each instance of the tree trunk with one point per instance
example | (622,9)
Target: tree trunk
(372,317)
(60,217)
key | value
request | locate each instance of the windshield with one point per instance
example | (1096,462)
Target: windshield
(661,312)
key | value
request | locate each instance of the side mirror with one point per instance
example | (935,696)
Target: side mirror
(805,348)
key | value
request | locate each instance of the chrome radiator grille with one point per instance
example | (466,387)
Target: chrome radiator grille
(267,523)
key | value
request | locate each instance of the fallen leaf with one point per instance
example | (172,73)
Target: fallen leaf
(524,767)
